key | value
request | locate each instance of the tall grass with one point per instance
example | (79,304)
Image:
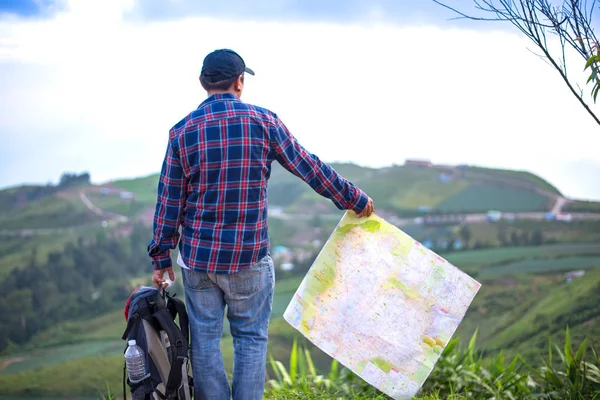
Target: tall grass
(459,374)
(301,380)
(463,372)
(576,378)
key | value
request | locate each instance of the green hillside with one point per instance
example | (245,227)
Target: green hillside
(71,253)
(526,299)
(523,178)
(398,189)
(403,190)
(70,345)
(481,197)
(56,210)
(517,312)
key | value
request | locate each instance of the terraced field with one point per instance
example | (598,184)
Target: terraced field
(509,254)
(484,197)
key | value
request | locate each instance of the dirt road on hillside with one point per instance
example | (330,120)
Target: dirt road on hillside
(560,203)
(96,210)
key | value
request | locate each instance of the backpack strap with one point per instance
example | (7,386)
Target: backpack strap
(177,307)
(143,312)
(133,319)
(179,344)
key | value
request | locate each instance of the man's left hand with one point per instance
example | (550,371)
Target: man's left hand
(368,210)
(158,277)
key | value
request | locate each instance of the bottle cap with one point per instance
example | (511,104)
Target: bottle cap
(132,342)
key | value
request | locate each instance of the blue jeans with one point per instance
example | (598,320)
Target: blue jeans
(248,295)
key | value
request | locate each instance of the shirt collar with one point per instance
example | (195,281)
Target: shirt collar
(219,97)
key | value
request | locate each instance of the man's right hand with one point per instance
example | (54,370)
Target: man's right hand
(368,210)
(158,277)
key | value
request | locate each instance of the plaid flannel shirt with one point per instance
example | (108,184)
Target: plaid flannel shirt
(213,184)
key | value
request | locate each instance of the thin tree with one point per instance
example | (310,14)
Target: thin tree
(539,20)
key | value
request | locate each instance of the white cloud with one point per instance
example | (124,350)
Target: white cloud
(105,91)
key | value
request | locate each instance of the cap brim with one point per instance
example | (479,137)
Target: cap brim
(248,70)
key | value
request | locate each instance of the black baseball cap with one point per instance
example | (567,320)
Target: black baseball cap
(223,64)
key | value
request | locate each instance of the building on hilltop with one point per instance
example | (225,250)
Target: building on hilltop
(418,163)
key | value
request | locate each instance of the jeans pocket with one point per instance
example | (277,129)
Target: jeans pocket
(196,280)
(248,281)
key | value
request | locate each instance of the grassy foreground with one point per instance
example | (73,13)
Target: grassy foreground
(564,373)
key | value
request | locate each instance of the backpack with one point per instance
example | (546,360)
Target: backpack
(150,317)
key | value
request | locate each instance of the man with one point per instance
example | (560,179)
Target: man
(213,185)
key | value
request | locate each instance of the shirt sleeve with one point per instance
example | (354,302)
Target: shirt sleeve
(172,188)
(321,177)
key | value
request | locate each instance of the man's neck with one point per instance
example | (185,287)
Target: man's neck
(213,92)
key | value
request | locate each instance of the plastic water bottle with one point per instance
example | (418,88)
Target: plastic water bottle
(135,361)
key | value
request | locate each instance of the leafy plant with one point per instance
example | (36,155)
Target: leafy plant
(302,380)
(577,379)
(592,63)
(463,372)
(109,395)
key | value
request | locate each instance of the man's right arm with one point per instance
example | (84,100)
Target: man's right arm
(320,176)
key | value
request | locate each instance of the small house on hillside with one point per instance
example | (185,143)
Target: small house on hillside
(564,217)
(418,163)
(494,215)
(126,195)
(445,177)
(569,276)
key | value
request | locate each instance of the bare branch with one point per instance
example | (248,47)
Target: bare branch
(541,57)
(462,14)
(570,23)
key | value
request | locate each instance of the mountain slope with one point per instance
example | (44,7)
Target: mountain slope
(399,189)
(89,273)
(49,215)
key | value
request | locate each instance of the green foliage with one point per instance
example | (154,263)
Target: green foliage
(82,280)
(463,372)
(458,374)
(69,179)
(302,380)
(17,251)
(592,64)
(574,378)
(109,395)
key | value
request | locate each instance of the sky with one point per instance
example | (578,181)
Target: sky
(95,86)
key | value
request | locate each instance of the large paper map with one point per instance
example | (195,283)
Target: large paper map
(381,304)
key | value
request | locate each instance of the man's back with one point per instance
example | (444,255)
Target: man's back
(226,158)
(214,184)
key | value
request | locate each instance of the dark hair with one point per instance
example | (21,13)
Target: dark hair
(221,85)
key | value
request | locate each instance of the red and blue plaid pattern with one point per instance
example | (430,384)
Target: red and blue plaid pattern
(213,184)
